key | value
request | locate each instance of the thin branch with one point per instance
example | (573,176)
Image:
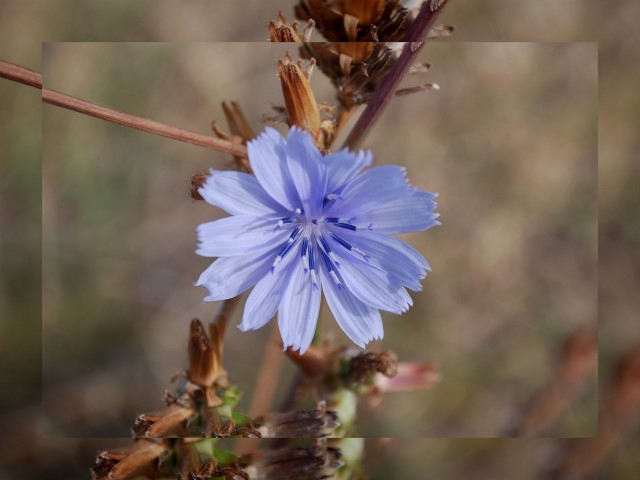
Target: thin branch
(20,74)
(34,79)
(421,25)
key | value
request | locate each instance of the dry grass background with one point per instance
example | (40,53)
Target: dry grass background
(509,143)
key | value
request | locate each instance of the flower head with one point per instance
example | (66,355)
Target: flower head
(307,223)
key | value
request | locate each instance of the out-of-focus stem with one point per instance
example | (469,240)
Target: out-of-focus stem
(34,79)
(577,363)
(268,375)
(423,22)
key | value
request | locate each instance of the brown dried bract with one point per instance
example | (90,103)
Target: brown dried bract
(281,31)
(140,460)
(197,182)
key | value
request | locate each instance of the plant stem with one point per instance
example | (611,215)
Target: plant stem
(421,25)
(34,79)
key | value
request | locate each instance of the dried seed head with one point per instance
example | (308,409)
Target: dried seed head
(197,181)
(205,352)
(142,459)
(355,69)
(357,20)
(301,106)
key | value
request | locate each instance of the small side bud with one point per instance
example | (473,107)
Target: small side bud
(364,366)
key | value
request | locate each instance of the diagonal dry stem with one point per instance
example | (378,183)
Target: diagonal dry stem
(423,22)
(34,79)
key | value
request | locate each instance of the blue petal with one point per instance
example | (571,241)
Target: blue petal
(267,154)
(370,284)
(307,170)
(239,194)
(265,297)
(404,263)
(228,277)
(343,166)
(360,322)
(371,190)
(238,235)
(409,214)
(299,309)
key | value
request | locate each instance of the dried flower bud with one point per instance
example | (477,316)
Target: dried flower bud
(205,352)
(302,424)
(302,109)
(364,366)
(197,181)
(171,422)
(142,459)
(310,463)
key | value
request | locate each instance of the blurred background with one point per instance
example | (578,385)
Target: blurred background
(511,151)
(509,143)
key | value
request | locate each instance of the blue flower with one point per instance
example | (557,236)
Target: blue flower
(307,223)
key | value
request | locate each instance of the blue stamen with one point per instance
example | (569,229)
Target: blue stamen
(347,226)
(324,243)
(287,246)
(341,241)
(328,261)
(331,220)
(295,233)
(312,258)
(328,198)
(305,243)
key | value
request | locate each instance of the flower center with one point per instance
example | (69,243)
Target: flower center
(313,235)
